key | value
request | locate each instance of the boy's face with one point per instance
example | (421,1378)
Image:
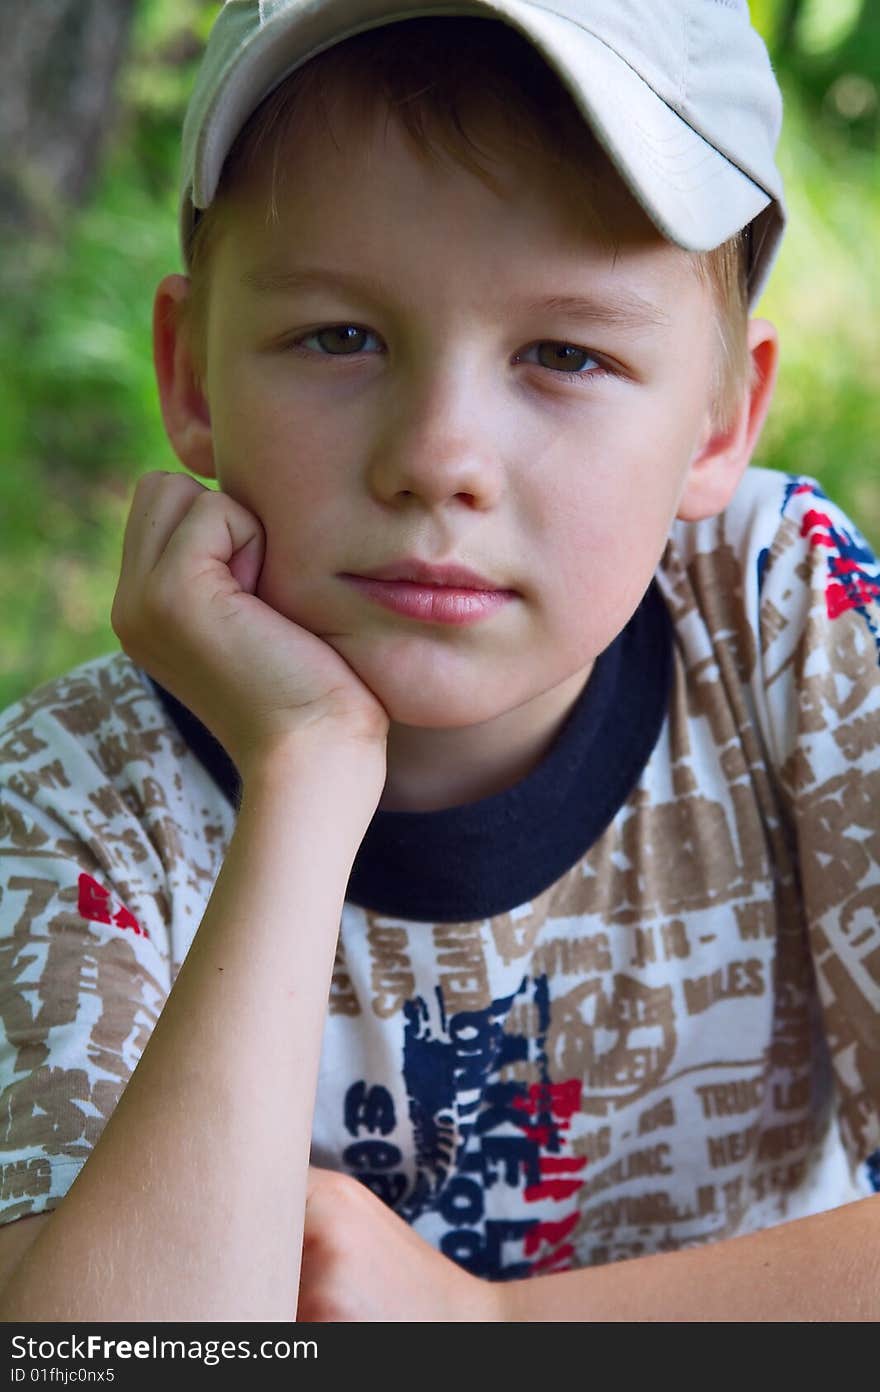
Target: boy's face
(445,428)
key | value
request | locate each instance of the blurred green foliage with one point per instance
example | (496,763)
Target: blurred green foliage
(79,419)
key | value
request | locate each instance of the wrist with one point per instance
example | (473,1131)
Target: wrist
(332,761)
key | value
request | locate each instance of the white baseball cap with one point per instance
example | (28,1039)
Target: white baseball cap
(680,93)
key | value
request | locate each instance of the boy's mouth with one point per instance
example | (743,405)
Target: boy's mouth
(455,577)
(449,594)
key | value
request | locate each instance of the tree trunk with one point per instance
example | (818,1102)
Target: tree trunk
(58,65)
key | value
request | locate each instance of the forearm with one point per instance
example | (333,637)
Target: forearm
(822,1268)
(191,1205)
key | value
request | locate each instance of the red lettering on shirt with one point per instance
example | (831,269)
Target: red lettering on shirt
(94,904)
(550,1232)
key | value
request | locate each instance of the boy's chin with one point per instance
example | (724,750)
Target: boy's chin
(441,699)
(433,709)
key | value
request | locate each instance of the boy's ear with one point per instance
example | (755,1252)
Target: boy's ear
(723,456)
(182,397)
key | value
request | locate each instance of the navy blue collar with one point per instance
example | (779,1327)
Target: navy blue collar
(484,858)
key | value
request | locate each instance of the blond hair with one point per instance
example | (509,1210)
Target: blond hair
(439,76)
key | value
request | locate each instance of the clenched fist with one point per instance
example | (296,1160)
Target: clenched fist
(186,611)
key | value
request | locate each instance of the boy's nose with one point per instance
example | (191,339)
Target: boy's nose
(434,444)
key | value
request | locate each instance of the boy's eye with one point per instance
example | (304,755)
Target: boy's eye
(566,358)
(337,340)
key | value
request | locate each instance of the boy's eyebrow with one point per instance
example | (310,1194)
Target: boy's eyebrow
(624,309)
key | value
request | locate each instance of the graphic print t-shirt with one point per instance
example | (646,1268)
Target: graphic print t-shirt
(627,1005)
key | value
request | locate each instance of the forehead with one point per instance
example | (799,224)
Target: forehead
(341,179)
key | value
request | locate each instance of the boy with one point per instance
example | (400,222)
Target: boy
(490,697)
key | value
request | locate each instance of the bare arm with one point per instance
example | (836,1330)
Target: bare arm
(191,1205)
(363,1262)
(814,1269)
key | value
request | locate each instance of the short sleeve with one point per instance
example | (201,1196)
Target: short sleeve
(818,591)
(86,961)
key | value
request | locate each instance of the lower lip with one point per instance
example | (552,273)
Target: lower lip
(432,603)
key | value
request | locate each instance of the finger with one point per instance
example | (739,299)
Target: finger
(214,528)
(160,503)
(246,565)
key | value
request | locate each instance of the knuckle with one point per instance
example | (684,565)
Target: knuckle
(204,497)
(342,1191)
(231,506)
(334,1194)
(159,480)
(149,482)
(181,485)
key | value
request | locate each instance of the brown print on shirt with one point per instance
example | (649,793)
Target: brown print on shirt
(834,695)
(111,694)
(852,1028)
(859,738)
(116,751)
(84,716)
(728,982)
(26,1180)
(584,955)
(771,622)
(22,745)
(590,1038)
(343,998)
(461,966)
(391,977)
(692,852)
(24,837)
(514,936)
(64,1111)
(27,783)
(665,860)
(839,836)
(717,581)
(860,925)
(683,854)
